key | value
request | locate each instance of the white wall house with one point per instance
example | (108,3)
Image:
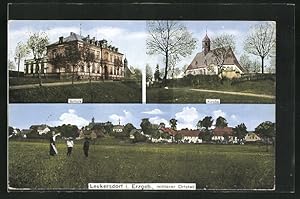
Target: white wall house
(252,137)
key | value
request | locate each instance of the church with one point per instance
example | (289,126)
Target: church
(205,63)
(109,63)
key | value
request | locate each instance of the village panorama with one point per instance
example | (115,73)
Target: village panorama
(206,131)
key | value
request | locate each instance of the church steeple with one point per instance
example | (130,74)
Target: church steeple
(206,44)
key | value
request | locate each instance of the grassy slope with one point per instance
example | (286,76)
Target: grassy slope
(184,95)
(210,166)
(266,87)
(99,92)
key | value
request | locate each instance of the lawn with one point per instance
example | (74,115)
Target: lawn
(13,81)
(101,92)
(179,91)
(184,95)
(209,166)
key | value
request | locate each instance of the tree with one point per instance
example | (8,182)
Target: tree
(170,39)
(67,130)
(173,123)
(157,73)
(127,128)
(136,73)
(73,55)
(57,60)
(156,134)
(21,52)
(88,57)
(10,130)
(240,132)
(108,127)
(266,130)
(11,65)
(149,73)
(206,122)
(37,43)
(223,46)
(146,126)
(245,62)
(261,40)
(221,122)
(178,137)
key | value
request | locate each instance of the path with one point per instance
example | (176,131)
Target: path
(234,93)
(48,84)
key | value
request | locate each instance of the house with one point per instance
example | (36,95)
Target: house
(224,134)
(168,131)
(206,62)
(41,129)
(118,128)
(108,62)
(24,132)
(252,137)
(190,136)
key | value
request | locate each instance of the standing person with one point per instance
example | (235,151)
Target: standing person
(53,150)
(70,145)
(86,146)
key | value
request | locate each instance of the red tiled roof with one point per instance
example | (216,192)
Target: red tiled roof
(223,131)
(169,131)
(191,133)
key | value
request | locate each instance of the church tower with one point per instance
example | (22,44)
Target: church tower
(206,44)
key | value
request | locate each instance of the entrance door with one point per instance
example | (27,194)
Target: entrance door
(105,72)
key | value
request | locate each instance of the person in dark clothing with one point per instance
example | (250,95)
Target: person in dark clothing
(86,146)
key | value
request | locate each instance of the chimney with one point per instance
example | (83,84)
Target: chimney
(71,33)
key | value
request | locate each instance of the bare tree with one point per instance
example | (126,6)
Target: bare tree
(38,42)
(149,73)
(223,47)
(73,57)
(88,56)
(11,65)
(169,39)
(261,40)
(21,52)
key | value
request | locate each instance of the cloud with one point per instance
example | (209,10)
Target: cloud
(218,113)
(154,112)
(158,120)
(187,118)
(70,117)
(123,119)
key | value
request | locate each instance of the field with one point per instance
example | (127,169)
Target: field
(179,94)
(209,166)
(102,92)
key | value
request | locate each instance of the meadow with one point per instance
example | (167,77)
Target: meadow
(179,93)
(209,166)
(101,92)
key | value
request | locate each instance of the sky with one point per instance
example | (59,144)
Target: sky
(128,36)
(22,116)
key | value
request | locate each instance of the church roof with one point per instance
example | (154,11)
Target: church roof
(203,60)
(206,38)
